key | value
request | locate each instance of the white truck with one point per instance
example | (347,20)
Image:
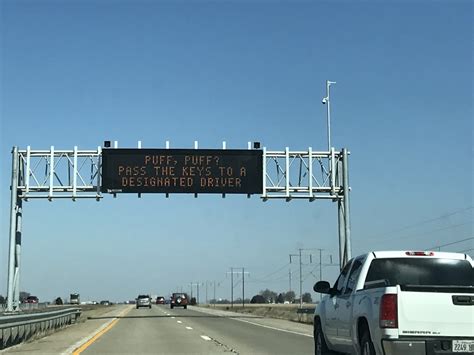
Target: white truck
(398,302)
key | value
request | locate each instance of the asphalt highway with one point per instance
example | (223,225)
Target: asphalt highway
(161,330)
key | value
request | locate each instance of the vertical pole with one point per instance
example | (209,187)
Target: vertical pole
(197,300)
(332,171)
(74,174)
(289,278)
(320,271)
(301,283)
(28,169)
(51,174)
(207,299)
(328,113)
(214,294)
(231,287)
(191,290)
(340,221)
(243,287)
(264,173)
(19,216)
(287,173)
(347,222)
(11,305)
(310,173)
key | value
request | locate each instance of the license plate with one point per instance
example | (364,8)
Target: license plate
(463,346)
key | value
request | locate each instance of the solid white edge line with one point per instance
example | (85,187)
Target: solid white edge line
(205,337)
(273,328)
(261,325)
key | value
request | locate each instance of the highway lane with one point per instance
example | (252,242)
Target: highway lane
(161,330)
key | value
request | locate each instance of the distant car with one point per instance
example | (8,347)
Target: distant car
(105,303)
(143,301)
(31,299)
(160,300)
(179,300)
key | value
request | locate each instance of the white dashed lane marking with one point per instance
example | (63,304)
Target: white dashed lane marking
(172,317)
(189,328)
(205,337)
(180,322)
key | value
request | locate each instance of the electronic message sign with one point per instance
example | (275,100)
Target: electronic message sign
(182,171)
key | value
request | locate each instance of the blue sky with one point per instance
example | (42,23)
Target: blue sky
(79,73)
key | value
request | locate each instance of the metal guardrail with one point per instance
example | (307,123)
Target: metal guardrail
(18,328)
(27,306)
(305,310)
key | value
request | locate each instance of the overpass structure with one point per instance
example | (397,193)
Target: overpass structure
(77,174)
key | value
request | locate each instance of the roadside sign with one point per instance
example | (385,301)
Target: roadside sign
(229,171)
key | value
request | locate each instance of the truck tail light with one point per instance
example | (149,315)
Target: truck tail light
(388,311)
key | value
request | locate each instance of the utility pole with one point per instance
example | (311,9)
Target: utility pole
(207,299)
(231,287)
(301,283)
(320,271)
(301,271)
(289,278)
(197,286)
(214,293)
(232,272)
(243,287)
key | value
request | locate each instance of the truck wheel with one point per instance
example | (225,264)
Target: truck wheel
(320,346)
(366,345)
(171,306)
(185,307)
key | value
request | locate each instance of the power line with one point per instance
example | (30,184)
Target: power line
(452,243)
(423,222)
(429,232)
(273,272)
(465,250)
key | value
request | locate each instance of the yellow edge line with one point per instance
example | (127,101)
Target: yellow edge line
(99,334)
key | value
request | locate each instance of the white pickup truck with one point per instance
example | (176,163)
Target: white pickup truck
(398,302)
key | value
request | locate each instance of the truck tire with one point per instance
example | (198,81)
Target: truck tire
(186,307)
(366,345)
(320,346)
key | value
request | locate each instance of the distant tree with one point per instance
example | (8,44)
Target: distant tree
(193,301)
(2,299)
(58,301)
(280,298)
(290,296)
(270,296)
(307,298)
(258,299)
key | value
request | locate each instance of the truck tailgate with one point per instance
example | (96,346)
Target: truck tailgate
(435,314)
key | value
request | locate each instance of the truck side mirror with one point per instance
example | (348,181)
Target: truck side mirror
(322,287)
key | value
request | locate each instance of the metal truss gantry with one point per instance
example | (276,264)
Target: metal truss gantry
(76,174)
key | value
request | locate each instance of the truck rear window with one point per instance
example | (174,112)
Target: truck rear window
(422,271)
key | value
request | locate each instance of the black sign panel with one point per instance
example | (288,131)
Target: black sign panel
(182,171)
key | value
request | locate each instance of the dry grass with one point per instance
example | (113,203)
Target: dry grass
(279,311)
